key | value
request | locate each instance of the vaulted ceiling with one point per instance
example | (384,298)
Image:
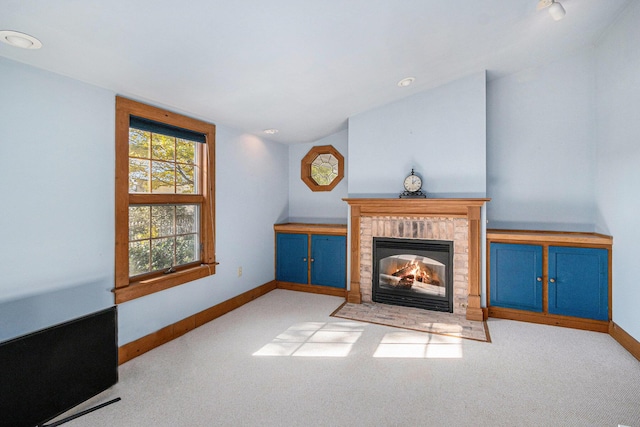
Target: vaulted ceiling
(302,67)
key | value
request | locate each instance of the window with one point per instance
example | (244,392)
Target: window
(164,199)
(322,168)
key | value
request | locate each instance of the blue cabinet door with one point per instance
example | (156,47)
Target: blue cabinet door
(329,263)
(291,257)
(579,282)
(516,276)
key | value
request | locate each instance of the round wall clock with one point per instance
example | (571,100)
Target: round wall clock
(412,186)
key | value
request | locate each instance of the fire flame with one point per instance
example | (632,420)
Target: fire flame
(412,271)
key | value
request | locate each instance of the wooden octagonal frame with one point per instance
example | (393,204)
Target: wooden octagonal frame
(305,168)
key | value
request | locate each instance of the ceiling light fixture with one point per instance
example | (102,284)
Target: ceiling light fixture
(406,81)
(556,10)
(21,40)
(270,131)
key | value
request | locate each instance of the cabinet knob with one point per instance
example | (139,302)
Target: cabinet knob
(552,280)
(539,279)
(312,260)
(304,259)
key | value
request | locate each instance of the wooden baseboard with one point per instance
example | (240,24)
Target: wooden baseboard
(171,332)
(624,339)
(549,319)
(324,290)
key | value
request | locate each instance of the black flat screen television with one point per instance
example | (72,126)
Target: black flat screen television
(48,372)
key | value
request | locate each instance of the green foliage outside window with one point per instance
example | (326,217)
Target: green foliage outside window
(162,236)
(161,164)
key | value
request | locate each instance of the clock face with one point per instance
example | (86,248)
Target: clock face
(412,183)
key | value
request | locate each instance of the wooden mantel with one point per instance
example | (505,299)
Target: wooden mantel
(469,208)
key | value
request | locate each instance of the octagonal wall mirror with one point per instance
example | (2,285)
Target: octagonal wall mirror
(322,168)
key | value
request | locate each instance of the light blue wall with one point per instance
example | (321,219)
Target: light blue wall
(441,133)
(541,147)
(57,174)
(308,205)
(57,224)
(618,160)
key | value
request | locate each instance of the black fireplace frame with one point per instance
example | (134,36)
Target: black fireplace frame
(439,250)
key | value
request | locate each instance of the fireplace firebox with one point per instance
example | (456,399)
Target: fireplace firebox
(413,273)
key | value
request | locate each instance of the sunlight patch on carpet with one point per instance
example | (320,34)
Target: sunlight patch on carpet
(314,339)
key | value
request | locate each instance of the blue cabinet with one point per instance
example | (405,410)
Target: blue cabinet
(308,258)
(292,257)
(542,277)
(328,260)
(516,276)
(578,282)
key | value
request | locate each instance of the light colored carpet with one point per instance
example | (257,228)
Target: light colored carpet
(281,360)
(415,319)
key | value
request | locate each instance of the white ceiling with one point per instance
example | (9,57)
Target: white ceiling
(301,66)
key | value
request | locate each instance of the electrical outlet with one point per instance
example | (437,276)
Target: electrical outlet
(239,271)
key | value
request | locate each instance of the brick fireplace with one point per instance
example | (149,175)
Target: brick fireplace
(456,220)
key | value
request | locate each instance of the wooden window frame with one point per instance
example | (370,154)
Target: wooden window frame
(305,167)
(126,288)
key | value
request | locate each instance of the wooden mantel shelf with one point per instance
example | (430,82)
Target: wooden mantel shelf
(412,207)
(469,208)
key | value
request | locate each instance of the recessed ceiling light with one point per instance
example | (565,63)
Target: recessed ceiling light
(24,41)
(270,131)
(406,81)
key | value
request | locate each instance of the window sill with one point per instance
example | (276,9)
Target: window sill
(146,287)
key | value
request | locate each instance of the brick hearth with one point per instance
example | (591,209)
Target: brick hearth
(457,220)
